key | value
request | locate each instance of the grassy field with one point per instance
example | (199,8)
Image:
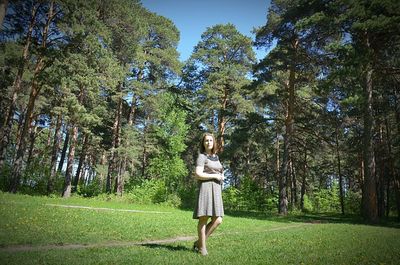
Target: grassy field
(42,230)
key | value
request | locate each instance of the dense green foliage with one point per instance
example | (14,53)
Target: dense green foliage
(95,101)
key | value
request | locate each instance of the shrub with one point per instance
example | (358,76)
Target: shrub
(307,204)
(327,200)
(4,177)
(152,191)
(187,194)
(173,200)
(232,198)
(249,197)
(94,188)
(352,202)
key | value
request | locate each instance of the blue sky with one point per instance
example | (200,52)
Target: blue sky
(192,17)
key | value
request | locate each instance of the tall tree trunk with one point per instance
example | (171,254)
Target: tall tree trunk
(50,133)
(341,193)
(283,201)
(54,152)
(289,186)
(132,112)
(119,180)
(63,152)
(115,143)
(5,130)
(35,88)
(101,175)
(32,137)
(81,160)
(3,11)
(381,173)
(277,164)
(289,124)
(390,165)
(70,163)
(119,183)
(303,182)
(294,198)
(396,173)
(369,196)
(222,120)
(18,163)
(144,152)
(71,154)
(397,193)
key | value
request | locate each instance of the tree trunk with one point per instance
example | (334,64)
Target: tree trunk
(289,124)
(132,112)
(295,200)
(54,151)
(222,122)
(35,88)
(144,152)
(396,173)
(32,137)
(50,133)
(289,186)
(3,11)
(70,163)
(102,163)
(303,182)
(115,144)
(277,164)
(397,193)
(71,153)
(119,183)
(283,202)
(63,152)
(5,130)
(341,193)
(369,196)
(381,172)
(120,179)
(18,163)
(390,166)
(81,161)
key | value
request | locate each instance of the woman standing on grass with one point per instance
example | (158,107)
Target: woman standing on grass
(209,173)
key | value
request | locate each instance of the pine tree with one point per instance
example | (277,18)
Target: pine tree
(220,64)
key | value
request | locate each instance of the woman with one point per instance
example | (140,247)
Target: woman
(209,173)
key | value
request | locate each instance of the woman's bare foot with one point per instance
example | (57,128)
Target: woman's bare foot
(203,252)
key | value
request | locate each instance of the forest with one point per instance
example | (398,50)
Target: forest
(94,101)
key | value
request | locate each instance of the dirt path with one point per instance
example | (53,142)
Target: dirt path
(21,248)
(101,209)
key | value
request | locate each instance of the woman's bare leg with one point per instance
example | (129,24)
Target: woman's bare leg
(215,222)
(201,230)
(209,229)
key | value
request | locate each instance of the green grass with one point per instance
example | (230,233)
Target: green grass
(243,238)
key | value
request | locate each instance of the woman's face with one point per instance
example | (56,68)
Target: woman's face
(208,143)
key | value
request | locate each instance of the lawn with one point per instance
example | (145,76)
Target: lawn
(42,230)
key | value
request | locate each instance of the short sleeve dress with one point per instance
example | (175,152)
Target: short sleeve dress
(209,196)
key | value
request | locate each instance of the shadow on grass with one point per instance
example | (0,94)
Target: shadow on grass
(167,247)
(314,218)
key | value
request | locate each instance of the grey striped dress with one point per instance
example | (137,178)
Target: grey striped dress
(209,196)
